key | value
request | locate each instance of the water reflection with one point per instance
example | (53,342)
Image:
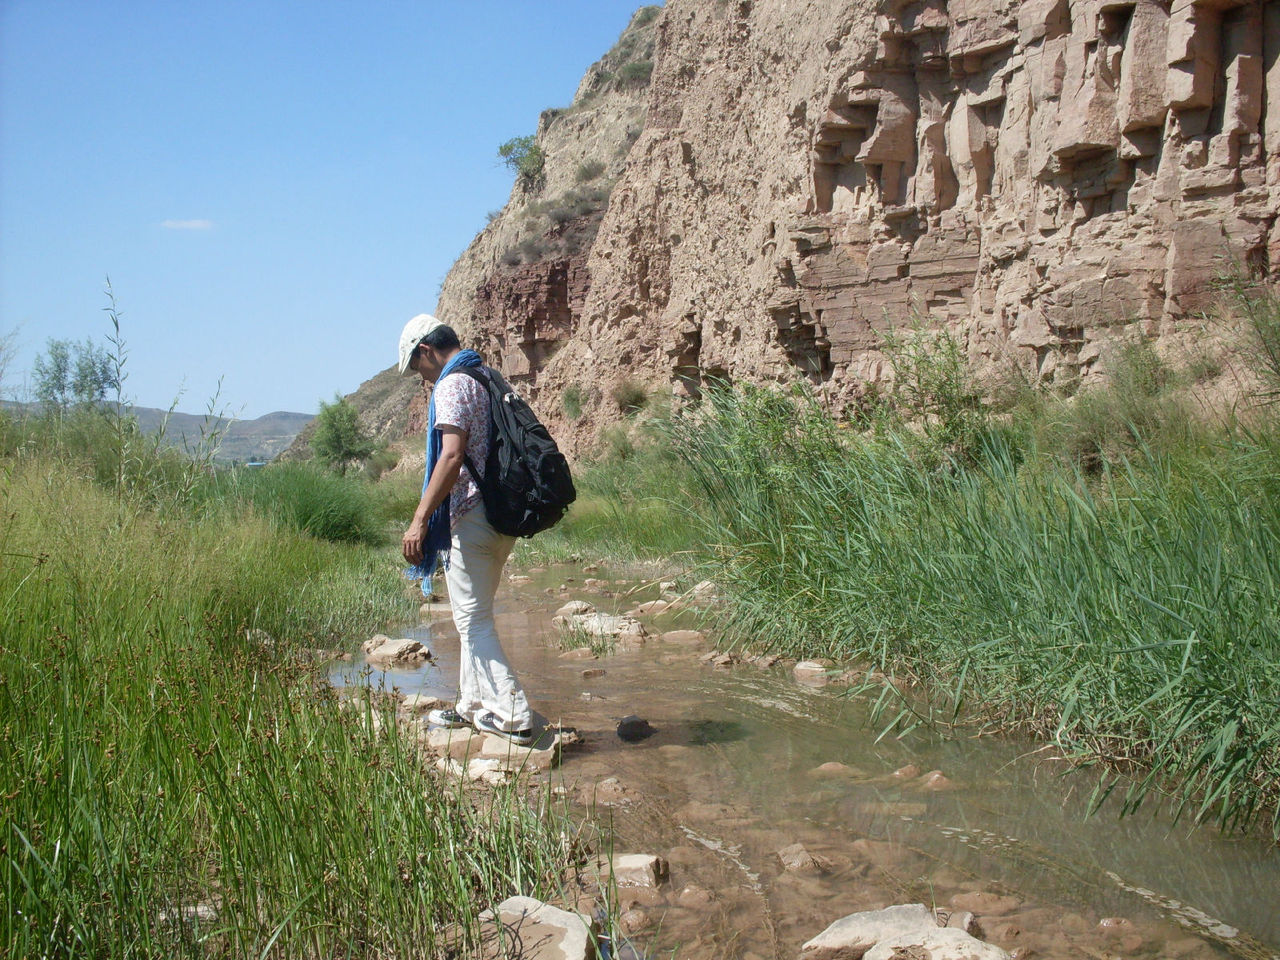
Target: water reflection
(745,762)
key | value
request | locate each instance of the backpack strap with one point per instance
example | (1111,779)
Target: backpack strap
(480,375)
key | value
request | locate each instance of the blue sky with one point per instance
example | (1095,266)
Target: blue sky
(273,187)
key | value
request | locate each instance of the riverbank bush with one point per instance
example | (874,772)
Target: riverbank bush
(1123,605)
(176,783)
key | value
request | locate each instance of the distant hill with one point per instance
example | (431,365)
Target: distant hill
(244,440)
(262,438)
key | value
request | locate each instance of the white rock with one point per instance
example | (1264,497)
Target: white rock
(575,608)
(417,703)
(489,770)
(706,590)
(961,920)
(542,754)
(455,742)
(403,652)
(936,944)
(813,673)
(606,625)
(638,870)
(548,932)
(851,936)
(374,642)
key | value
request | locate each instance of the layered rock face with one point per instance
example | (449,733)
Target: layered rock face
(1039,176)
(519,290)
(1043,177)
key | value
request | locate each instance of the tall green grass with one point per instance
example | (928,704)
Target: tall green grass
(156,758)
(1125,607)
(306,498)
(630,507)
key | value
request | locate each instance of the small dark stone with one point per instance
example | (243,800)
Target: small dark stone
(633,729)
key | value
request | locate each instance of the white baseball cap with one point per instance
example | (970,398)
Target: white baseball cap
(412,335)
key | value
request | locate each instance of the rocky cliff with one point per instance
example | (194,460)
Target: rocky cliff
(1045,178)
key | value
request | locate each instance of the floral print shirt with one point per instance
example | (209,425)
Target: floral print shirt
(462,402)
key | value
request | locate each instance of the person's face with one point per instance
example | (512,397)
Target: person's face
(426,362)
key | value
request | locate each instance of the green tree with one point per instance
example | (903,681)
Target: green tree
(340,440)
(67,373)
(523,156)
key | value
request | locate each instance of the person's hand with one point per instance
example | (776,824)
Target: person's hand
(411,544)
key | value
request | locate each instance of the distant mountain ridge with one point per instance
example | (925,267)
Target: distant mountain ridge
(259,439)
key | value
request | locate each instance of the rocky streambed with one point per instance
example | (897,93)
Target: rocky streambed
(755,814)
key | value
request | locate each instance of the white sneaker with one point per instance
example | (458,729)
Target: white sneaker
(488,723)
(448,717)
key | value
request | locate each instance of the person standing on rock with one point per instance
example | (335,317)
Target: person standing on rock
(450,520)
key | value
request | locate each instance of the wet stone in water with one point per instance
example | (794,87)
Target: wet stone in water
(796,859)
(633,729)
(634,920)
(833,769)
(417,703)
(985,904)
(695,897)
(403,652)
(935,780)
(812,673)
(638,870)
(684,636)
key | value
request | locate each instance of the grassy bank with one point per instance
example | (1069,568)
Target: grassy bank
(173,785)
(631,507)
(1102,571)
(1129,615)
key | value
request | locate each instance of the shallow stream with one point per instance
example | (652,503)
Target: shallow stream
(731,776)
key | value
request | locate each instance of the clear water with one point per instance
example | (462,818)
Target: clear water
(728,779)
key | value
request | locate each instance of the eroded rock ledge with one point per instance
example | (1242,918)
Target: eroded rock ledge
(1045,178)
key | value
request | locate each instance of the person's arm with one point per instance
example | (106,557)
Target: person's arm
(453,449)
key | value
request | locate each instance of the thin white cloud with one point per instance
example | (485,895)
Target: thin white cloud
(187,224)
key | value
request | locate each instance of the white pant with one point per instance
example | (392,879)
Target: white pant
(486,681)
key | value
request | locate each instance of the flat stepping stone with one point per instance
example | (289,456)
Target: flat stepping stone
(543,932)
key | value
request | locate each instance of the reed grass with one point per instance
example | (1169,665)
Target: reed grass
(1124,607)
(174,783)
(307,498)
(630,507)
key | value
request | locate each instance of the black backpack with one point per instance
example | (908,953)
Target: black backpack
(526,484)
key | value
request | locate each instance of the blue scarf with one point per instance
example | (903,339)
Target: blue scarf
(439,533)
